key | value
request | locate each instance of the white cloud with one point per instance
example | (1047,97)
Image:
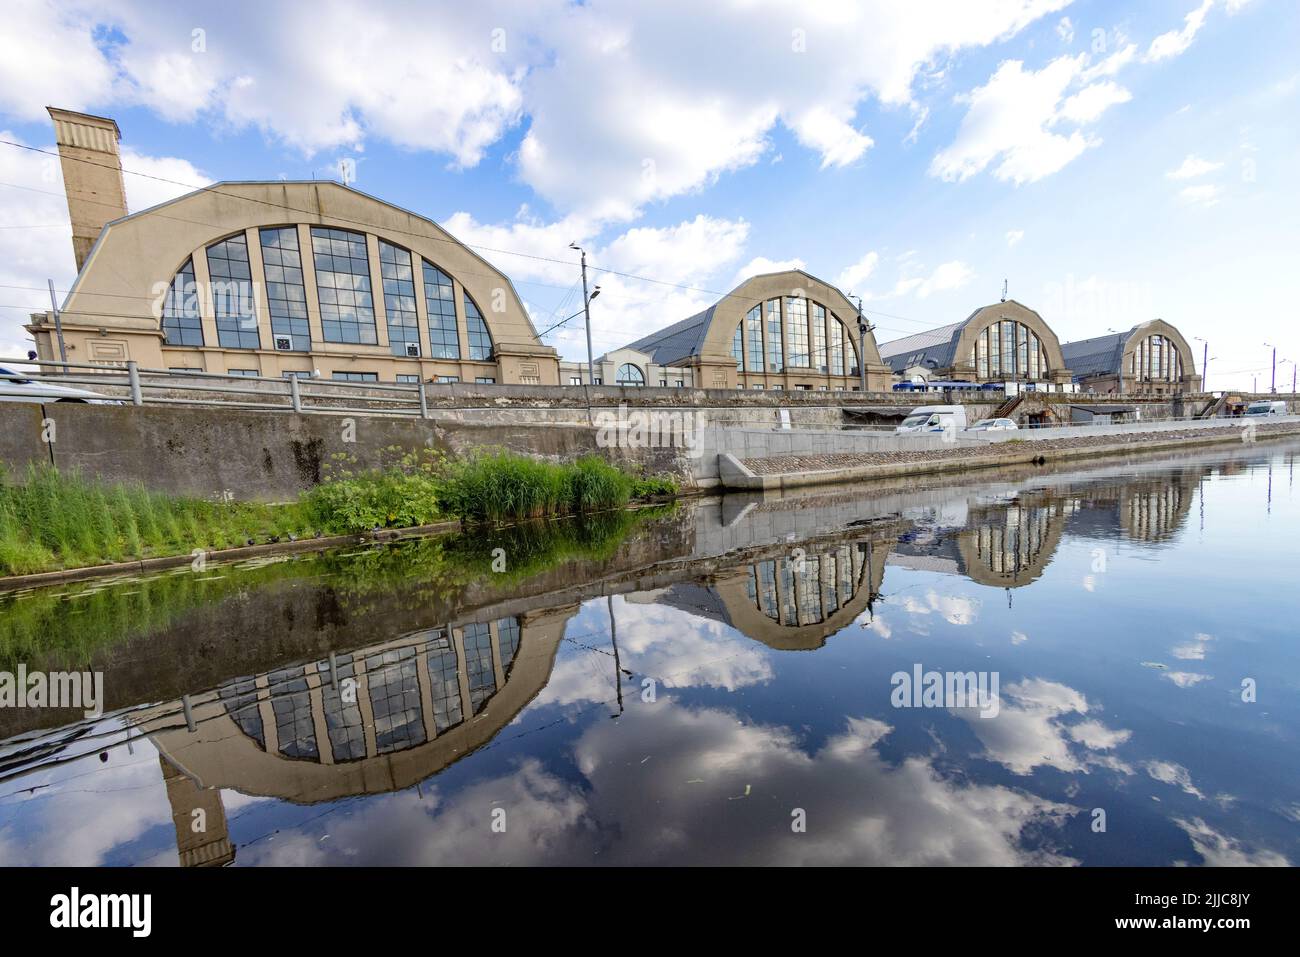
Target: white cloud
(1065,30)
(1185,679)
(838,142)
(1176,42)
(686,252)
(48,57)
(1014,236)
(1092,101)
(1204,195)
(761,265)
(954,609)
(622,106)
(1168,772)
(855,275)
(949,275)
(1030,730)
(1012,122)
(1192,167)
(694,803)
(1219,850)
(37,246)
(156,179)
(1193,650)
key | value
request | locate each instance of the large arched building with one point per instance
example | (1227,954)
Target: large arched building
(783,330)
(1152,358)
(275,279)
(1004,342)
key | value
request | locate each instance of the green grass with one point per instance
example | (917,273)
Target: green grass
(57,520)
(496,487)
(65,626)
(52,520)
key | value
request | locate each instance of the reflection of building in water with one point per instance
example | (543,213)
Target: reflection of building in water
(1154,513)
(793,601)
(1140,511)
(1003,545)
(1010,546)
(378,719)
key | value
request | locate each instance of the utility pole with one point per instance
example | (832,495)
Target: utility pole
(1205,367)
(586,309)
(1273,386)
(862,345)
(58,328)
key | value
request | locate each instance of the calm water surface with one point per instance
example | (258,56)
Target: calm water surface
(707,685)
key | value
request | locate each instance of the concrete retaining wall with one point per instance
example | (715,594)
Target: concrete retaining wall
(269,456)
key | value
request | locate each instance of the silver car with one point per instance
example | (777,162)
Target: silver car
(993,425)
(14,387)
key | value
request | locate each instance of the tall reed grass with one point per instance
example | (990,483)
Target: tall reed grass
(499,487)
(52,520)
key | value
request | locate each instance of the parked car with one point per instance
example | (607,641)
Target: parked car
(1266,407)
(14,387)
(933,418)
(993,425)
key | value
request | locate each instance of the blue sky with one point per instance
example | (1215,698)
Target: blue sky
(1113,162)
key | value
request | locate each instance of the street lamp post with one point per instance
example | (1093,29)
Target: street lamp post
(1205,363)
(586,309)
(1273,385)
(863,328)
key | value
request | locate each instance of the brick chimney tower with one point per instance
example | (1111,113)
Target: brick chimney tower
(92,175)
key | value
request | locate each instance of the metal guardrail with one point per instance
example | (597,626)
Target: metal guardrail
(127,383)
(132,385)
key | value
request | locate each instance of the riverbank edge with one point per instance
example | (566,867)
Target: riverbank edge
(86,572)
(735,476)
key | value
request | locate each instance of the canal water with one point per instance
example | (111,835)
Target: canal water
(731,680)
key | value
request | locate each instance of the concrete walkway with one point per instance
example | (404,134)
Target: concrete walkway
(788,471)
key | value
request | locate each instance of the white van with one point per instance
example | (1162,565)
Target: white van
(933,418)
(1266,407)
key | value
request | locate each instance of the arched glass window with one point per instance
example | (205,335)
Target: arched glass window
(775,351)
(796,332)
(231,284)
(820,357)
(440,299)
(738,347)
(347,308)
(480,340)
(1156,358)
(399,298)
(629,374)
(754,338)
(1009,348)
(181,325)
(286,292)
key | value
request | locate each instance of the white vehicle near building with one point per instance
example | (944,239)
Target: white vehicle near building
(1266,407)
(933,418)
(15,387)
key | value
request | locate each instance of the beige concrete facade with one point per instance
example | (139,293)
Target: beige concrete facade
(623,366)
(1155,359)
(92,174)
(115,309)
(782,348)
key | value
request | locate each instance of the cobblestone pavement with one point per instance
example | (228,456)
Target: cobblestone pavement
(786,464)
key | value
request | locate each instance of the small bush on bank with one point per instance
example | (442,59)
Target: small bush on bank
(499,486)
(654,487)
